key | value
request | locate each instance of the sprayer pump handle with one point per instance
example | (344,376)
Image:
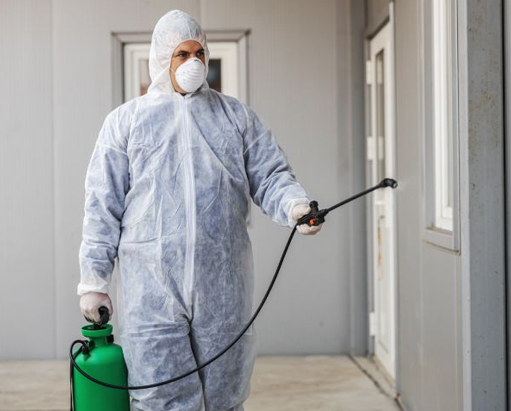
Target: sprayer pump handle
(315,217)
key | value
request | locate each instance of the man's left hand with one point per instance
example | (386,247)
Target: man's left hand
(298,212)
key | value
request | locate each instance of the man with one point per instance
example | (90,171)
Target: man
(167,193)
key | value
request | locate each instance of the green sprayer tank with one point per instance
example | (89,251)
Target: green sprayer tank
(105,362)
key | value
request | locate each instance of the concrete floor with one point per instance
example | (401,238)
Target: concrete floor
(315,383)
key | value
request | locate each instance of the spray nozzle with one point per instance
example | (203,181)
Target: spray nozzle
(388,182)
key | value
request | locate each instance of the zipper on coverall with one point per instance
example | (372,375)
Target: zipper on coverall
(189,193)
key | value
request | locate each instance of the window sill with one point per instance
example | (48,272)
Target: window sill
(441,238)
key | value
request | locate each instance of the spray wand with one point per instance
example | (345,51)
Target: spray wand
(314,218)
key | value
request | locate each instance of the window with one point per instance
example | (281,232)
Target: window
(223,73)
(440,117)
(442,80)
(223,67)
(136,70)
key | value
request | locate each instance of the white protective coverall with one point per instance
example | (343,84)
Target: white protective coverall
(167,192)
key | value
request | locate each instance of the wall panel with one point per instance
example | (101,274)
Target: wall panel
(377,11)
(27,289)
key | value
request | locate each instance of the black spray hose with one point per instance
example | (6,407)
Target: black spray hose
(315,217)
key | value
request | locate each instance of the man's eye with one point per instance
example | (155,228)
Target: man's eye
(200,53)
(181,55)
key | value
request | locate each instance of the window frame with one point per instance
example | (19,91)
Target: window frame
(120,39)
(439,118)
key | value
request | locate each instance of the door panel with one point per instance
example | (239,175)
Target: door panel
(382,225)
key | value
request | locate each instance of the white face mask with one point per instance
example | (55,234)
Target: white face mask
(191,74)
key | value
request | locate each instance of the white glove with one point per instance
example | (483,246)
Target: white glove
(298,212)
(91,302)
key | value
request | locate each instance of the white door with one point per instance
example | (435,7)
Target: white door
(381,157)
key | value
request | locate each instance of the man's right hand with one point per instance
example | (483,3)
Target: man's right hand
(91,302)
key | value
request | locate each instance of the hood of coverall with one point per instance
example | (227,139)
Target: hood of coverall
(172,29)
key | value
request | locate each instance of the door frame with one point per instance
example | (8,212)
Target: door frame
(391,157)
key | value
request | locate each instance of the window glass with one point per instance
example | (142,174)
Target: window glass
(443,113)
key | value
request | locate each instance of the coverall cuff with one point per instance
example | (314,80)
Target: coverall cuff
(289,208)
(87,288)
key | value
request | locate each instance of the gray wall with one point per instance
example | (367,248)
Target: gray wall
(376,13)
(310,305)
(352,164)
(60,82)
(483,218)
(507,43)
(27,278)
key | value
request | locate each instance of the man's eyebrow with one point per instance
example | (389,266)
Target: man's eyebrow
(187,52)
